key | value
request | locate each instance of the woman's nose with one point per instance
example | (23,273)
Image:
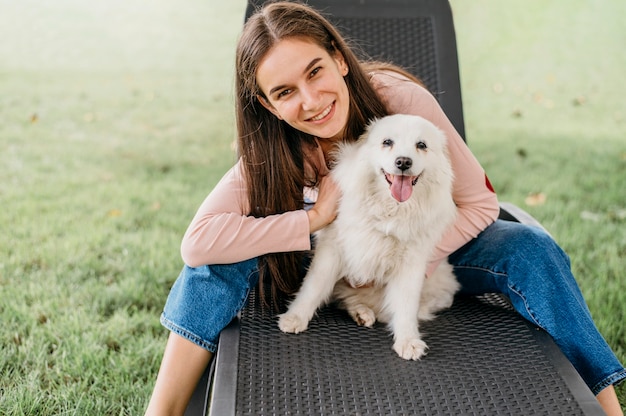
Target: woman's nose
(310,98)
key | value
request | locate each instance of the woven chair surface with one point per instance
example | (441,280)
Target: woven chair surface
(483,359)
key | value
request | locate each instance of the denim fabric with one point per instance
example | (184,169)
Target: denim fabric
(205,299)
(519,261)
(525,264)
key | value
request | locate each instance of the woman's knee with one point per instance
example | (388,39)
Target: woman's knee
(203,300)
(526,255)
(525,243)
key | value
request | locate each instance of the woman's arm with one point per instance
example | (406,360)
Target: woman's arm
(222,232)
(477,203)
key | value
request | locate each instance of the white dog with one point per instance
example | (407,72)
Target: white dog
(396,205)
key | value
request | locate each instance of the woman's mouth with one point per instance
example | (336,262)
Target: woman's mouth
(323,114)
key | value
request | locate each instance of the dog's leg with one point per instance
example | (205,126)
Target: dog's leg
(316,289)
(355,302)
(402,298)
(438,291)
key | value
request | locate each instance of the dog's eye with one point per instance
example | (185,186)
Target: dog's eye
(387,143)
(421,145)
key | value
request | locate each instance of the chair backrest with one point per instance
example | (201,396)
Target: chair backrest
(417,35)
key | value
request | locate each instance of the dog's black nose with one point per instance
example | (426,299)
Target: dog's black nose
(404,163)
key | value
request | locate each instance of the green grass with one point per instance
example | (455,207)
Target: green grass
(116,119)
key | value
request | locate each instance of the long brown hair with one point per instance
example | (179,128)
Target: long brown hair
(271,151)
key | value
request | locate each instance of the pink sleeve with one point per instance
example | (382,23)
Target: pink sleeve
(477,203)
(221,232)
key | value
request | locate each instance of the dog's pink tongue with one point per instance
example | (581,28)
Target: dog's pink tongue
(401,187)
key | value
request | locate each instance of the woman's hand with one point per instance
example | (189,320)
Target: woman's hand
(325,209)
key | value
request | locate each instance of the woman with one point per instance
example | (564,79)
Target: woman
(300,91)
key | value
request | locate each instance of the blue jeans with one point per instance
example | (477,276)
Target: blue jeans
(519,261)
(205,299)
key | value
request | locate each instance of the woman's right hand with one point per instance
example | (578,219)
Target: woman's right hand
(325,209)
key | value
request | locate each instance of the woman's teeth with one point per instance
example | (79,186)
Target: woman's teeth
(322,114)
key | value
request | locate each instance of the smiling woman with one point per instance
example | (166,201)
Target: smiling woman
(300,91)
(117,117)
(312,99)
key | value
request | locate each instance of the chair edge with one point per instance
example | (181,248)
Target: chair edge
(223,397)
(574,382)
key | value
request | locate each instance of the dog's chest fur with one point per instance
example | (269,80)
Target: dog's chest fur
(373,237)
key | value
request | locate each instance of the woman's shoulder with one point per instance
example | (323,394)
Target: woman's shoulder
(400,93)
(385,78)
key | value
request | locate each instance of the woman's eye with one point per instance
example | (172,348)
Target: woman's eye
(283,93)
(315,71)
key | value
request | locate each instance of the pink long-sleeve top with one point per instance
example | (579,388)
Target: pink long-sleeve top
(222,232)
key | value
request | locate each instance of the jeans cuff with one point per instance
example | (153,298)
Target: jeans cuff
(189,336)
(613,379)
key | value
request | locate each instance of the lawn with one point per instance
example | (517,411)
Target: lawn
(116,119)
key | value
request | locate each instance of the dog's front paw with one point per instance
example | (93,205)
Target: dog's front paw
(410,349)
(363,316)
(292,323)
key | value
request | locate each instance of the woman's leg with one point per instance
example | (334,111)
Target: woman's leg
(525,264)
(182,365)
(609,402)
(201,303)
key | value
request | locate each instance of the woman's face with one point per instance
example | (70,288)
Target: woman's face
(304,86)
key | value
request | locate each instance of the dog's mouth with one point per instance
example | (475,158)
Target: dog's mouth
(401,186)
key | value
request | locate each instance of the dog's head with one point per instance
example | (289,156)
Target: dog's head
(404,150)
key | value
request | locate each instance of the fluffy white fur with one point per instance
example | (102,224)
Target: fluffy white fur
(373,257)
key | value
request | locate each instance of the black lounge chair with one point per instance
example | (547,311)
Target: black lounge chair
(484,359)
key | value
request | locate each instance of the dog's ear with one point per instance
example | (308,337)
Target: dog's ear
(368,128)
